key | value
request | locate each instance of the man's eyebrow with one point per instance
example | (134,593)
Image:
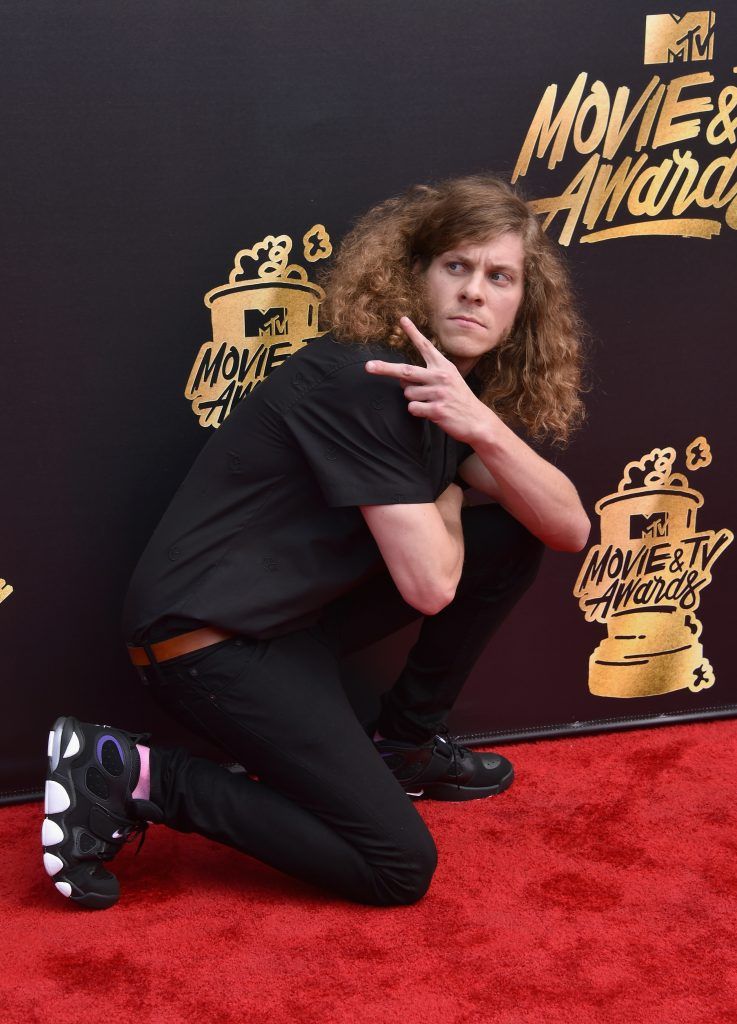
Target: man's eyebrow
(509,267)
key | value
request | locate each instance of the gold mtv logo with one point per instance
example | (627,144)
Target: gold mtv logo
(672,38)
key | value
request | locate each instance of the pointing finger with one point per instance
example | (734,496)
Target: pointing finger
(402,371)
(427,350)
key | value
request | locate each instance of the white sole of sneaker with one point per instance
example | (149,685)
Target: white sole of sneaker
(64,743)
(57,799)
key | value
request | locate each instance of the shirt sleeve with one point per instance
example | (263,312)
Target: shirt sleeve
(463,450)
(361,442)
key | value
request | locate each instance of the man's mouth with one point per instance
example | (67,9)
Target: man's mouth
(467,320)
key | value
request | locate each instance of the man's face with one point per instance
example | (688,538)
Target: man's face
(473,293)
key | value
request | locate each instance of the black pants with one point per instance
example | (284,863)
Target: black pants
(326,808)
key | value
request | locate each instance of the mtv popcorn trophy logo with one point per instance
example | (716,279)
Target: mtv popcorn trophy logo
(639,174)
(644,580)
(5,590)
(266,311)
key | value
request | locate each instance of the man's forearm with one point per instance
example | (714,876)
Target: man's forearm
(449,505)
(531,489)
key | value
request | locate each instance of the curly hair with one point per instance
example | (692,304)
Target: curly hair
(534,374)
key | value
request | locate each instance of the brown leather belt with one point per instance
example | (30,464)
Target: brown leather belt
(185,643)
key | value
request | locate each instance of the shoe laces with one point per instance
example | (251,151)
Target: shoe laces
(456,750)
(136,828)
(139,828)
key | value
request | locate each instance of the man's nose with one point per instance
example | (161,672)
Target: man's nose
(473,288)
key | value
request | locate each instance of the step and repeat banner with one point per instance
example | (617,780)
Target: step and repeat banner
(176,175)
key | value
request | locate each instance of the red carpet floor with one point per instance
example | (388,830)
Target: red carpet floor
(602,887)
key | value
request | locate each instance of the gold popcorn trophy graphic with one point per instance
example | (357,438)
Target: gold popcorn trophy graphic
(644,580)
(267,311)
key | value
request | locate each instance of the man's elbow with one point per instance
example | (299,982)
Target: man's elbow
(582,536)
(430,601)
(575,537)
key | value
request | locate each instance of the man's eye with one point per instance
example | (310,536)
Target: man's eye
(498,275)
(454,265)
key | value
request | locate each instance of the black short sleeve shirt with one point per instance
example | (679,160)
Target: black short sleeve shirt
(266,528)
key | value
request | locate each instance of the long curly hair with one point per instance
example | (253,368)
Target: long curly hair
(534,376)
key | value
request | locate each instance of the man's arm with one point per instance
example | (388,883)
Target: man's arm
(532,490)
(422,546)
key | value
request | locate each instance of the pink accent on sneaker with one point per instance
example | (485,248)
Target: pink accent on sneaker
(378,736)
(143,787)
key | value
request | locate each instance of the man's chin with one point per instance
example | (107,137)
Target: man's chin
(464,348)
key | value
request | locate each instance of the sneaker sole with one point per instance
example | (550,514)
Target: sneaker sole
(65,743)
(452,791)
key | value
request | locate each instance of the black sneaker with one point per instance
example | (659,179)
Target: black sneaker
(443,770)
(93,769)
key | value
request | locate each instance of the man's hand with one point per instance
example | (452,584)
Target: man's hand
(436,391)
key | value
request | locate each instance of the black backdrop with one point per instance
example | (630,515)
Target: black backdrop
(146,143)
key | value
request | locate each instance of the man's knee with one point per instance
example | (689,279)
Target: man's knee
(406,881)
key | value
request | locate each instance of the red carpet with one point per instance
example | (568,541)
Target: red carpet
(602,887)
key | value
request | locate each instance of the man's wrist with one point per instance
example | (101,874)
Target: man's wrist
(486,430)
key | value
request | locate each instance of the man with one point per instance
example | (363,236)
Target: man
(325,513)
